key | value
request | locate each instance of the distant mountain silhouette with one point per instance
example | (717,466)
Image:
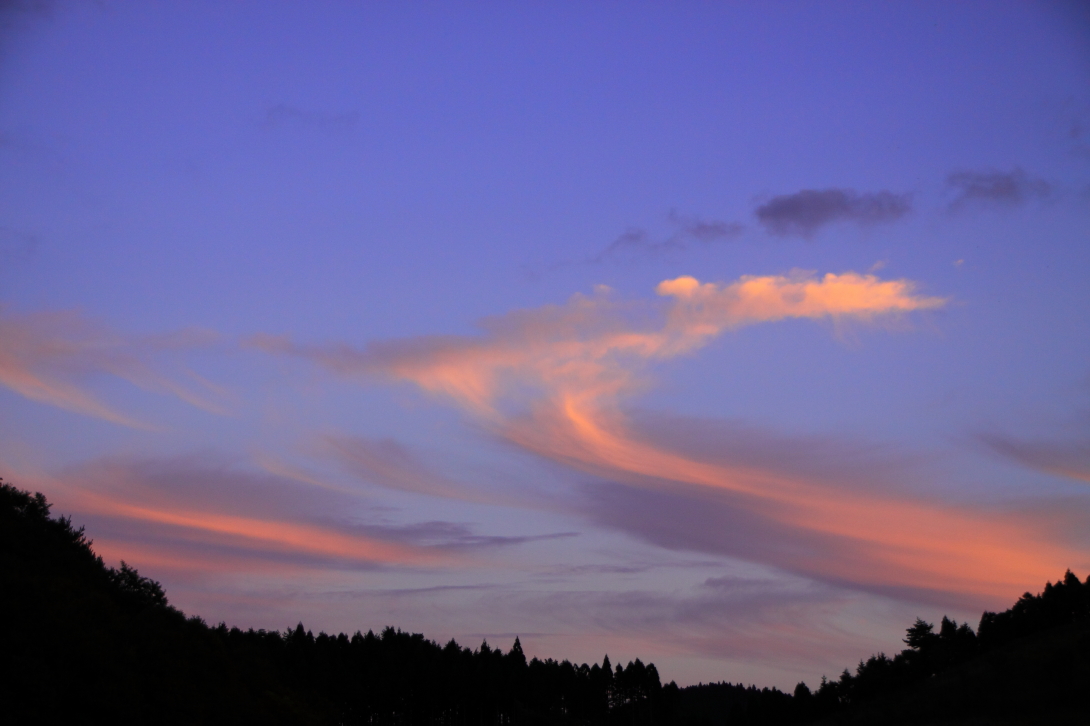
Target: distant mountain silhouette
(81,642)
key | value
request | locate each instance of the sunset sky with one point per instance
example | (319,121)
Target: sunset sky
(729,336)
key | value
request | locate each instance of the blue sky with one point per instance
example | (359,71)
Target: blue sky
(368,314)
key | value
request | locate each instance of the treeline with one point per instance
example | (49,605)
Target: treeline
(930,653)
(83,641)
(1030,663)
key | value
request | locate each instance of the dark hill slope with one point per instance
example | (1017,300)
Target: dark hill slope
(84,643)
(1029,664)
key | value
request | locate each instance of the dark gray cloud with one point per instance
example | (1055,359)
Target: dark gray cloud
(712,231)
(804,212)
(994,188)
(635,242)
(703,230)
(283,114)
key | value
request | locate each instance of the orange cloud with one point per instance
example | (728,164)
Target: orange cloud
(211,515)
(594,348)
(261,534)
(709,308)
(552,380)
(884,541)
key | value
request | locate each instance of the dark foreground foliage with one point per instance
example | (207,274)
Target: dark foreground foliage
(83,642)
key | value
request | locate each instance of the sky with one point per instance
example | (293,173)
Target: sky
(729,336)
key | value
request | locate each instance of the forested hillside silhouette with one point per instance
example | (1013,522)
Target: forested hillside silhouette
(84,642)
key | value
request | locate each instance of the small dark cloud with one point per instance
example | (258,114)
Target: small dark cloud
(283,114)
(703,230)
(638,242)
(994,188)
(713,231)
(803,213)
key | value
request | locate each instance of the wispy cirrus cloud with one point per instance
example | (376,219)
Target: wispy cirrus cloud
(51,356)
(196,513)
(387,463)
(390,464)
(753,619)
(1070,459)
(594,347)
(805,212)
(994,188)
(553,380)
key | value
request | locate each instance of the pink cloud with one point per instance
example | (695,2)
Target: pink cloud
(594,347)
(201,516)
(553,380)
(50,357)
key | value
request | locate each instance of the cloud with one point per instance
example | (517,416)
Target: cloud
(553,380)
(636,242)
(195,512)
(593,347)
(713,231)
(48,357)
(1065,459)
(938,554)
(455,536)
(387,463)
(791,627)
(820,457)
(994,188)
(184,504)
(804,212)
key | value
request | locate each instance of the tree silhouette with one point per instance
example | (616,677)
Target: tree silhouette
(81,641)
